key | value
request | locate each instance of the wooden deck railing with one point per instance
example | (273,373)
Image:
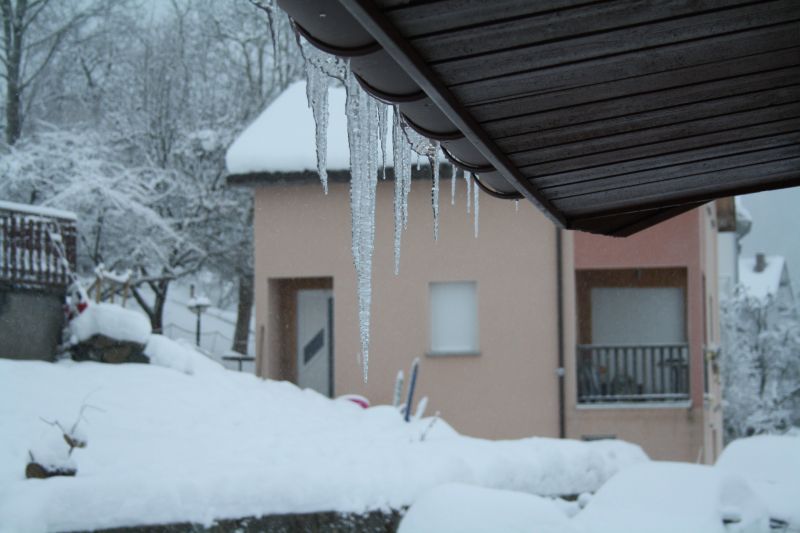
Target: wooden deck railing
(633,373)
(36,250)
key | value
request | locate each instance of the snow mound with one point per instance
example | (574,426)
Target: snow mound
(771,464)
(178,355)
(665,497)
(112,321)
(164,447)
(468,509)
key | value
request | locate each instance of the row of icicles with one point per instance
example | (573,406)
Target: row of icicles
(367,125)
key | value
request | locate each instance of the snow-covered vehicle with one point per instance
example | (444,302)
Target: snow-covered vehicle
(668,497)
(771,465)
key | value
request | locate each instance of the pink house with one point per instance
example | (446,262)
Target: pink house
(646,331)
(503,323)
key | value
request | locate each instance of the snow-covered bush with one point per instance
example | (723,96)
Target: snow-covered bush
(760,366)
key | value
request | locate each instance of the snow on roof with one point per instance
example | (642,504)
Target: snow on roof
(761,284)
(742,214)
(283,137)
(37,210)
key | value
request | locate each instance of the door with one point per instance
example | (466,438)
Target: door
(314,340)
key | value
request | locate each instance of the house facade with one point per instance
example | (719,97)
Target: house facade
(646,332)
(498,321)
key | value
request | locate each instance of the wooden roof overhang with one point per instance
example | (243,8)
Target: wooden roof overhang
(609,116)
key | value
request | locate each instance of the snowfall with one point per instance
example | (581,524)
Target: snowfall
(185,440)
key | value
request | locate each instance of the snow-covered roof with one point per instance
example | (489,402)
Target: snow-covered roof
(764,283)
(37,210)
(283,137)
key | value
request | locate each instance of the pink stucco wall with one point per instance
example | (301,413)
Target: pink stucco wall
(510,389)
(687,241)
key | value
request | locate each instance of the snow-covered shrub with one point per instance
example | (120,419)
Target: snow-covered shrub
(760,366)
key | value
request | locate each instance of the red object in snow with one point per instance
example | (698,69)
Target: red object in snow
(357,399)
(82,307)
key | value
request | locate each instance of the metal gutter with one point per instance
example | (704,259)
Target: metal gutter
(383,31)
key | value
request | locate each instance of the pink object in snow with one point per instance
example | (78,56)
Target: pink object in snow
(356,399)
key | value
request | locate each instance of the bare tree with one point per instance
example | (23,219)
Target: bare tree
(33,34)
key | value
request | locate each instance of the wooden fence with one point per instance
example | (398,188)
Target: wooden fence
(36,250)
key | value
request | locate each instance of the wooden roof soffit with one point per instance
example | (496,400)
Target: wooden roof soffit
(609,117)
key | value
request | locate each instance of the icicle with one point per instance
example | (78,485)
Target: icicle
(468,179)
(453,172)
(383,115)
(433,158)
(398,389)
(516,205)
(317,95)
(476,207)
(363,139)
(401,160)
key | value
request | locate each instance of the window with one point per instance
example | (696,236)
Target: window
(632,336)
(633,315)
(454,317)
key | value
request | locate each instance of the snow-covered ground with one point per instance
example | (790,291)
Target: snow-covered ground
(183,439)
(216,331)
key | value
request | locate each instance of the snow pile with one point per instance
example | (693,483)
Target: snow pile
(665,497)
(112,321)
(469,509)
(771,464)
(178,355)
(164,446)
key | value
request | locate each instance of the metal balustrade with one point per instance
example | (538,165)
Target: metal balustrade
(633,373)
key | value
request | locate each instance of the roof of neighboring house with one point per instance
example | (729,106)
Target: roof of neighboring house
(283,137)
(279,146)
(767,282)
(609,116)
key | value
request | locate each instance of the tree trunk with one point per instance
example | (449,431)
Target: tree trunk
(13,116)
(157,319)
(245,308)
(13,33)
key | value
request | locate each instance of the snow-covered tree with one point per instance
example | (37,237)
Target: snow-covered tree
(760,366)
(127,124)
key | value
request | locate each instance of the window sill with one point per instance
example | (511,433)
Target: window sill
(453,354)
(684,404)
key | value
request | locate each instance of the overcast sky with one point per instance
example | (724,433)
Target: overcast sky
(776,227)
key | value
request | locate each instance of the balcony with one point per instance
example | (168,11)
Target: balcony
(37,246)
(633,373)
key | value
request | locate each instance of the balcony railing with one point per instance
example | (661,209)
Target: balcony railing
(633,373)
(36,251)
